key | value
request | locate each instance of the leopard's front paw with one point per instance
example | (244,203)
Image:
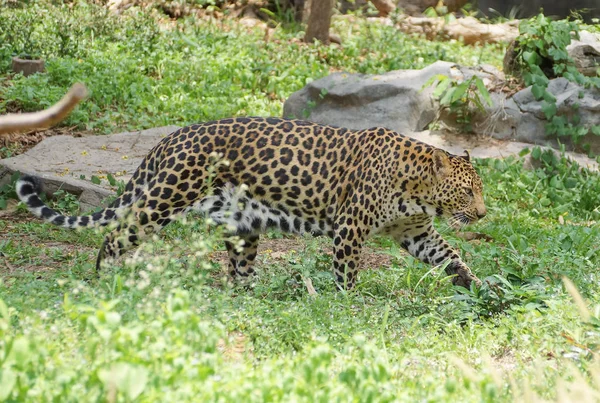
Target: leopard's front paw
(464,277)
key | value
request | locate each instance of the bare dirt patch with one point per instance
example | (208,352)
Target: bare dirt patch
(270,251)
(274,251)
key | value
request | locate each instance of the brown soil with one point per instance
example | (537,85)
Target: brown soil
(273,251)
(270,251)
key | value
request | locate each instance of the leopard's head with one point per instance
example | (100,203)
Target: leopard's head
(458,189)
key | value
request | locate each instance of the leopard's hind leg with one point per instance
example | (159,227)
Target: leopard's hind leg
(148,215)
(241,260)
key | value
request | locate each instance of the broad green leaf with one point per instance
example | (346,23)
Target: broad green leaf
(483,91)
(581,131)
(531,58)
(541,19)
(566,244)
(558,54)
(429,82)
(541,45)
(441,87)
(555,182)
(549,109)
(129,379)
(8,378)
(559,121)
(570,183)
(430,12)
(549,97)
(448,95)
(541,79)
(460,91)
(538,91)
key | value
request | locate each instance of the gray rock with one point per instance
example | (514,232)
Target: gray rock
(586,53)
(60,161)
(521,117)
(487,147)
(396,100)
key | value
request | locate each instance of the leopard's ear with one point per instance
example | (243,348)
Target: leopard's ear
(467,156)
(441,163)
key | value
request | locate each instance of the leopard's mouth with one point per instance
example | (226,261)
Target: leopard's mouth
(461,219)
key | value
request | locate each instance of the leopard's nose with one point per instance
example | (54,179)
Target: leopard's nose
(481,213)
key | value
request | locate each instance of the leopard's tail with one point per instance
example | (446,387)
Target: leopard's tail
(29,189)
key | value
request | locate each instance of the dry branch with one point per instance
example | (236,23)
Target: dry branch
(14,122)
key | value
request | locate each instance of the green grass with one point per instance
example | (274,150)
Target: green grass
(165,325)
(142,73)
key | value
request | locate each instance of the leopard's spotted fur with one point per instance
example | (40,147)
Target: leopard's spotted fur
(301,177)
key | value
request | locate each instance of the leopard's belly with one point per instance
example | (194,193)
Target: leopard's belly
(241,213)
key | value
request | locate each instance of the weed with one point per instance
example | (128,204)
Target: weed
(461,99)
(8,190)
(65,202)
(541,54)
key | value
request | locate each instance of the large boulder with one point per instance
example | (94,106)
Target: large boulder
(397,100)
(521,117)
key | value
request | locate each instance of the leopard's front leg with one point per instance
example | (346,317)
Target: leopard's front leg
(349,236)
(423,242)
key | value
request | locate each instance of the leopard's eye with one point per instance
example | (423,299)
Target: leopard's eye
(469,191)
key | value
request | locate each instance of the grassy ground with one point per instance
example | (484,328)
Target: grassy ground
(164,325)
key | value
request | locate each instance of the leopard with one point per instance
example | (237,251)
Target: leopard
(254,174)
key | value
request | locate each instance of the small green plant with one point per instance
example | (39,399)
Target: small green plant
(65,202)
(542,54)
(8,191)
(498,293)
(570,186)
(118,184)
(10,150)
(461,99)
(311,105)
